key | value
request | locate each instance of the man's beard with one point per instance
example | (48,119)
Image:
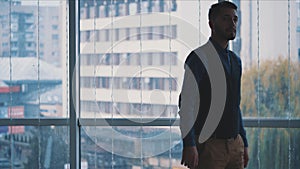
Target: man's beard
(231,37)
(224,34)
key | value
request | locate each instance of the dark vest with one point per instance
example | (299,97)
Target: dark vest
(229,124)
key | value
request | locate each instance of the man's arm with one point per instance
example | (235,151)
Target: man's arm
(243,135)
(189,98)
(187,108)
(241,127)
(242,130)
(189,101)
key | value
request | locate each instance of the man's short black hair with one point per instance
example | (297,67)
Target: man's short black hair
(215,9)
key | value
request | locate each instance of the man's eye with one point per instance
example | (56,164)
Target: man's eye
(229,19)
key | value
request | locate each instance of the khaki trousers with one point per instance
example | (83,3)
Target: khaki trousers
(221,154)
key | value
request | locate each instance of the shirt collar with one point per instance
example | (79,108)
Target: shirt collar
(219,48)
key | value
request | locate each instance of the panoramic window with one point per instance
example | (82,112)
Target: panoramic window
(110,99)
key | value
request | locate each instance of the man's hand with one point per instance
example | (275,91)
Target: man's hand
(246,157)
(189,157)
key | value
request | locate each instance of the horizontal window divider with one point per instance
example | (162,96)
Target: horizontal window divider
(248,122)
(271,122)
(34,122)
(128,122)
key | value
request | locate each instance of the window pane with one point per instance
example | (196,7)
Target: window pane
(269,58)
(139,76)
(123,147)
(262,143)
(131,76)
(295,57)
(33,59)
(21,149)
(285,155)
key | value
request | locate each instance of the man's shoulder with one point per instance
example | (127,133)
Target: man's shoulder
(208,45)
(235,56)
(201,51)
(195,58)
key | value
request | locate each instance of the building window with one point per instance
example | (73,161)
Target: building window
(55,37)
(82,13)
(122,9)
(155,6)
(5,44)
(92,12)
(145,7)
(102,11)
(112,10)
(133,8)
(54,27)
(5,35)
(55,18)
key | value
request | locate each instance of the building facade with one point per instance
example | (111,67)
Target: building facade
(139,74)
(29,29)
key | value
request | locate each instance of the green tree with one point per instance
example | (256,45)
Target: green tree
(272,91)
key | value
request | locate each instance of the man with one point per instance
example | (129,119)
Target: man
(226,146)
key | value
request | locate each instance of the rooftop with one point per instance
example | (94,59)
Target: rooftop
(27,69)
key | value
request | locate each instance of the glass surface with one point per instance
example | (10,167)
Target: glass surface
(106,146)
(129,147)
(142,66)
(269,52)
(35,147)
(274,148)
(33,59)
(133,76)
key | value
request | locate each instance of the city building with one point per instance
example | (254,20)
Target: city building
(18,31)
(31,26)
(141,72)
(26,91)
(132,68)
(27,86)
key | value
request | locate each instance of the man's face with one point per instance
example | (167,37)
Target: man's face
(225,24)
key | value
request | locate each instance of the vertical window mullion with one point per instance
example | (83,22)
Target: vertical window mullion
(74,96)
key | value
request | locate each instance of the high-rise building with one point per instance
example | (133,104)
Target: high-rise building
(130,66)
(30,37)
(30,26)
(132,56)
(18,36)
